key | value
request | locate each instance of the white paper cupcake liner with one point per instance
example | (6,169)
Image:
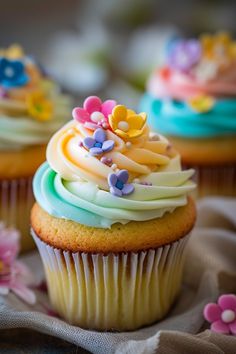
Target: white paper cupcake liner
(214,180)
(122,291)
(16,200)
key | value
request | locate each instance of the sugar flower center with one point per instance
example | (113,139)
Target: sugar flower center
(228,316)
(97,117)
(97,144)
(124,126)
(119,184)
(183,58)
(9,72)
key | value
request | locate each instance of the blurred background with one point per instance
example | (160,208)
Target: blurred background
(107,47)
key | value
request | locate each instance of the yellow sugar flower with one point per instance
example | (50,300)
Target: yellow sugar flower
(219,47)
(15,51)
(39,107)
(126,123)
(201,103)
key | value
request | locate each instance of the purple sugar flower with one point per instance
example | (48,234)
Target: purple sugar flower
(146,183)
(184,54)
(98,143)
(118,183)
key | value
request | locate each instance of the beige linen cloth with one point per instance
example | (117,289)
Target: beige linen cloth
(210,270)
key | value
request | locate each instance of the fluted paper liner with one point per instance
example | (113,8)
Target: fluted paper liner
(16,200)
(122,291)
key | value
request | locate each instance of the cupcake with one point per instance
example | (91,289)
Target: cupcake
(31,110)
(192,99)
(111,219)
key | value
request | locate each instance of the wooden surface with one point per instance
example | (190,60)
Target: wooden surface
(22,341)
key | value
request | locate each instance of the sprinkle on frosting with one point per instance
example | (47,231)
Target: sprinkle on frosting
(146,183)
(106,160)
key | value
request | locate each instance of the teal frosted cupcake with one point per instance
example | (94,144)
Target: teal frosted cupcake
(192,99)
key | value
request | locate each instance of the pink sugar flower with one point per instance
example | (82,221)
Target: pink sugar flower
(94,113)
(222,315)
(14,275)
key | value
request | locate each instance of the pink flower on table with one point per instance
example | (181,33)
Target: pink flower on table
(14,275)
(94,113)
(222,315)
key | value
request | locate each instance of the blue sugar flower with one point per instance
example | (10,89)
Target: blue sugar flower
(12,73)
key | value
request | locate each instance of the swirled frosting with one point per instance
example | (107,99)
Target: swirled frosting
(177,118)
(32,107)
(183,86)
(193,67)
(193,95)
(74,184)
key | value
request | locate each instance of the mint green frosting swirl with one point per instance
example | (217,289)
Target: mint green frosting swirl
(176,118)
(20,132)
(83,202)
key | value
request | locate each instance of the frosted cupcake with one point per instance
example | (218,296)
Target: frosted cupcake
(31,110)
(112,219)
(192,99)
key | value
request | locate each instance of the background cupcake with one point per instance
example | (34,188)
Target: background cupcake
(111,219)
(192,99)
(31,110)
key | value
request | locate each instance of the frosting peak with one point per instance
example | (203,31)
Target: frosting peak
(99,176)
